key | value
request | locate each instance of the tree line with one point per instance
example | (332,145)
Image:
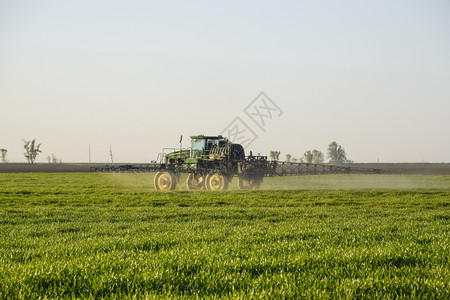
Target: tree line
(335,152)
(32,150)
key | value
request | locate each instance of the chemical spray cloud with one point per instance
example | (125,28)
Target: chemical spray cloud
(261,111)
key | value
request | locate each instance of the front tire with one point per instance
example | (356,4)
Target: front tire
(165,181)
(216,182)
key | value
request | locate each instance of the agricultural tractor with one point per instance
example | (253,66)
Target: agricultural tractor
(212,161)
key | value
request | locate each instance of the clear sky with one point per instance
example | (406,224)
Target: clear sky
(373,76)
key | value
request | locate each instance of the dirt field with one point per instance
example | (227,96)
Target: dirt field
(410,168)
(405,168)
(45,168)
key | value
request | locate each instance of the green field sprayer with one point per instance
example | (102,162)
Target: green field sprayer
(213,161)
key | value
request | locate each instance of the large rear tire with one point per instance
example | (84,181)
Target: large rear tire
(195,181)
(165,181)
(216,182)
(248,183)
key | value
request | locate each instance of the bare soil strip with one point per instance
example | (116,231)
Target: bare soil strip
(399,168)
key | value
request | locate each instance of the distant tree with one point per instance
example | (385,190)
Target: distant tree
(31,150)
(274,155)
(288,157)
(53,159)
(294,160)
(3,155)
(336,153)
(308,157)
(277,155)
(317,157)
(312,157)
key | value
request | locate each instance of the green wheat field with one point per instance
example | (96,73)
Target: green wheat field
(93,235)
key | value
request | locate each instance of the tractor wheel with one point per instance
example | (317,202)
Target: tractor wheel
(216,182)
(248,184)
(165,181)
(195,181)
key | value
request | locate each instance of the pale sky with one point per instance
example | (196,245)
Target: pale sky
(373,76)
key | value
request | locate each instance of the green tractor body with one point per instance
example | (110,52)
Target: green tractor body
(207,149)
(211,162)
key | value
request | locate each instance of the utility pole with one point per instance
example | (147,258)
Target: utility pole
(89,153)
(111,154)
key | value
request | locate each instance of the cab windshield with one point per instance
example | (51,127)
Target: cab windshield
(198,144)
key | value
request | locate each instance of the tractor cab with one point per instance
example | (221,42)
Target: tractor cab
(203,145)
(206,148)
